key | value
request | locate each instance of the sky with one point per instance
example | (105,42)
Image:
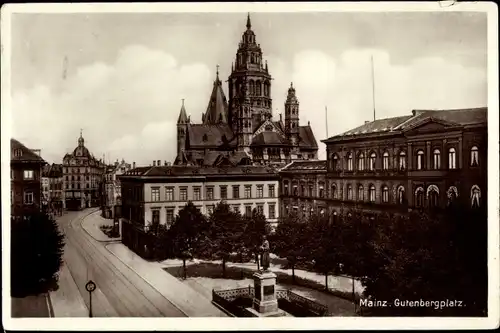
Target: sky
(120,77)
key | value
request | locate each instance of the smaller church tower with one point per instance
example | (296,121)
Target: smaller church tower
(292,116)
(245,118)
(182,124)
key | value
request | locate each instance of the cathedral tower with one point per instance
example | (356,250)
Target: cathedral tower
(182,124)
(249,70)
(292,116)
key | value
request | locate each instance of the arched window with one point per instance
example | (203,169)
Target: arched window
(385,194)
(452,194)
(258,88)
(372,193)
(349,161)
(361,162)
(433,196)
(437,159)
(361,193)
(335,162)
(402,161)
(334,191)
(475,195)
(373,159)
(419,197)
(385,161)
(401,195)
(252,87)
(420,160)
(474,156)
(349,192)
(452,156)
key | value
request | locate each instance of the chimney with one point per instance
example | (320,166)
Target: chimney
(281,119)
(158,163)
(367,121)
(308,123)
(165,163)
(154,163)
(133,165)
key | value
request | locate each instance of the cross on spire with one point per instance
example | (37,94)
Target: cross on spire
(217,71)
(81,130)
(183,102)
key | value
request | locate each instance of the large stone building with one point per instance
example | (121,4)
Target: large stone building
(244,123)
(83,175)
(428,160)
(112,187)
(154,195)
(25,180)
(54,174)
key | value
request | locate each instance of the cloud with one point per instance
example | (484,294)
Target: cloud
(127,109)
(344,86)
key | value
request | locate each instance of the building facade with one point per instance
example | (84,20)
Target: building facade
(426,160)
(25,180)
(45,186)
(303,189)
(83,175)
(55,195)
(155,195)
(244,122)
(112,187)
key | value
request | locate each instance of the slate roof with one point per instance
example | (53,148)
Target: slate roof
(194,171)
(396,124)
(217,105)
(27,154)
(268,139)
(213,135)
(306,166)
(307,139)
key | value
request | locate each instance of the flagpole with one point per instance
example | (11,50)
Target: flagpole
(373,88)
(326,122)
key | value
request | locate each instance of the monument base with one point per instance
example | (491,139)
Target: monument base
(254,313)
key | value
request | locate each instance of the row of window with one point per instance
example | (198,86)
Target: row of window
(79,186)
(27,174)
(420,160)
(236,208)
(209,193)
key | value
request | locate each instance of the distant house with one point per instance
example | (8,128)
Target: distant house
(112,187)
(25,178)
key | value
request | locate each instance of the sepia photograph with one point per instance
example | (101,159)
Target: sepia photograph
(224,162)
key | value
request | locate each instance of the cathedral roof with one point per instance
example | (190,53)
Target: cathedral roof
(307,139)
(209,136)
(217,108)
(268,139)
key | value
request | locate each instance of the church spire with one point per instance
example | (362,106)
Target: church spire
(183,118)
(249,24)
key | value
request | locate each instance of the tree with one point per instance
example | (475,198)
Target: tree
(322,247)
(223,235)
(256,227)
(187,232)
(440,257)
(289,241)
(37,247)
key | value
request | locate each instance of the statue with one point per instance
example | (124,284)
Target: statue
(264,259)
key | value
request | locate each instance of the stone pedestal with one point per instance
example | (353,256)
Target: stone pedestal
(265,303)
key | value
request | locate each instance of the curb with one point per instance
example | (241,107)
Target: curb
(49,305)
(113,240)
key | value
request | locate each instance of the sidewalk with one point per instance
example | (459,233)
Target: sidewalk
(92,226)
(192,303)
(67,300)
(340,283)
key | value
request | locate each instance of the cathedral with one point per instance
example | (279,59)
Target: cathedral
(241,130)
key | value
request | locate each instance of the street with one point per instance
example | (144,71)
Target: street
(120,291)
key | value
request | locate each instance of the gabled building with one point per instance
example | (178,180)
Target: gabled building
(25,180)
(426,160)
(243,124)
(112,187)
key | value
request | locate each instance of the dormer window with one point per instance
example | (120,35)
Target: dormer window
(205,138)
(18,152)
